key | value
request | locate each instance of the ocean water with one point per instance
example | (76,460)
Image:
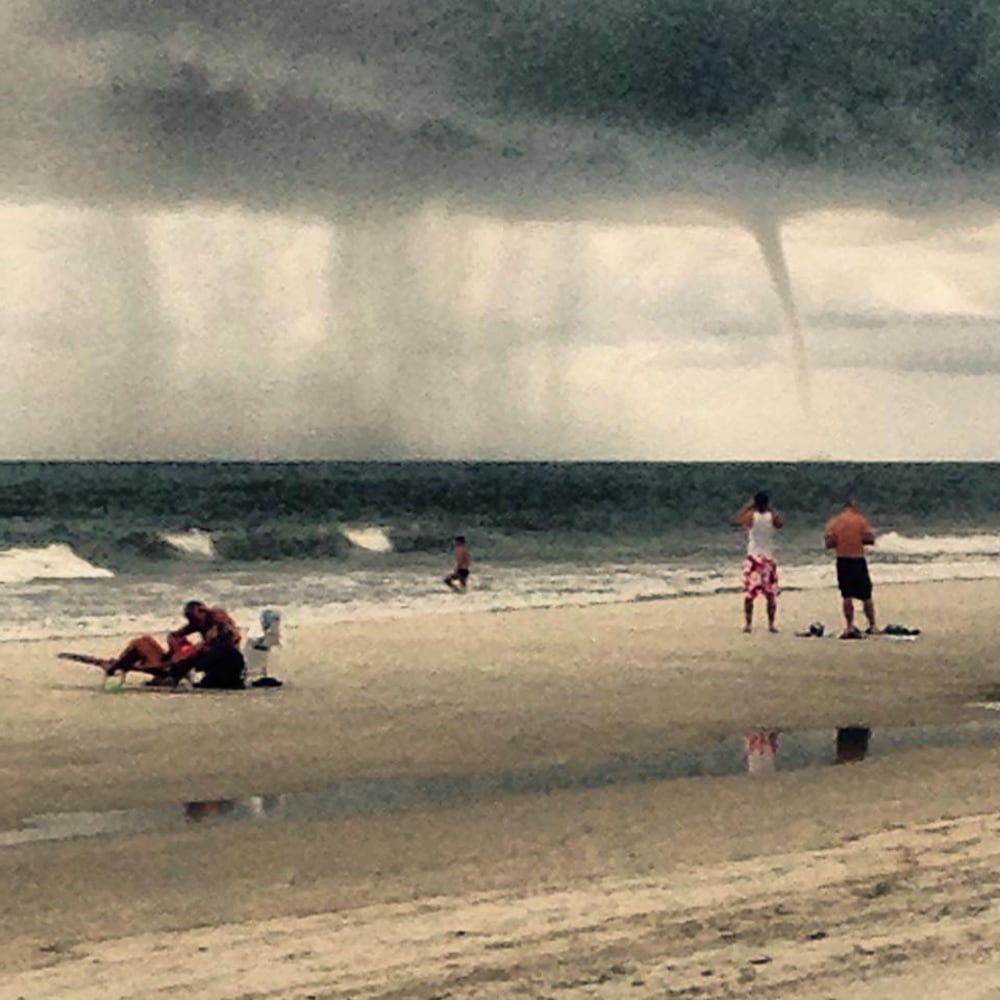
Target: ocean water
(107,549)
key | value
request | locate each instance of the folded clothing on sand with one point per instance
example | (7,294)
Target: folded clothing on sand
(900,630)
(817,630)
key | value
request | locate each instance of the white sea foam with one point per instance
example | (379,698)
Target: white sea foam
(53,562)
(191,543)
(373,539)
(342,591)
(818,576)
(931,545)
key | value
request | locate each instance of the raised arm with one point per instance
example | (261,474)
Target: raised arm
(742,516)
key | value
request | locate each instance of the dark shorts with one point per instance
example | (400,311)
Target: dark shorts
(222,667)
(852,577)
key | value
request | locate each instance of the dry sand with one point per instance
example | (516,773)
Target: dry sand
(876,879)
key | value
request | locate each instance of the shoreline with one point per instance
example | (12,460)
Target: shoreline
(476,691)
(312,597)
(476,694)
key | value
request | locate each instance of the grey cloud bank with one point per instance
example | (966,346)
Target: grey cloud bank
(564,108)
(432,316)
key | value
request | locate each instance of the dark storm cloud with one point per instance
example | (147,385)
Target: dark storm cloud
(563,107)
(804,79)
(856,82)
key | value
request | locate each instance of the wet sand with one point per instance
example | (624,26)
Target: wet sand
(797,884)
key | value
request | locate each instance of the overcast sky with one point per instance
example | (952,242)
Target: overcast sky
(467,230)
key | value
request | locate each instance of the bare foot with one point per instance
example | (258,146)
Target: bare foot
(747,629)
(772,629)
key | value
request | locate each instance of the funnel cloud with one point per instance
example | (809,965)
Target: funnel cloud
(467,228)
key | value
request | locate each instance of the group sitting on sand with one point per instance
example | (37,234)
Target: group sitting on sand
(217,657)
(847,533)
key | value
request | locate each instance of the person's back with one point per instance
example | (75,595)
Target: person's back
(760,534)
(224,665)
(848,533)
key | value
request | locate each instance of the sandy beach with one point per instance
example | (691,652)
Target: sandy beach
(862,880)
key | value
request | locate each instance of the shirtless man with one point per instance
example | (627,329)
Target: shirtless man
(460,572)
(218,654)
(848,533)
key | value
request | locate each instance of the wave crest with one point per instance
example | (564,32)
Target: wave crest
(370,538)
(931,545)
(51,562)
(191,543)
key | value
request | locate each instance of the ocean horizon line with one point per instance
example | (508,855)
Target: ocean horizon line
(743,462)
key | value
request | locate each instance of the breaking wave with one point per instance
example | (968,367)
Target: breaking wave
(372,539)
(192,543)
(935,545)
(51,562)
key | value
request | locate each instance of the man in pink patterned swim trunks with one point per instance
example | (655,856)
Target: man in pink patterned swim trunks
(760,572)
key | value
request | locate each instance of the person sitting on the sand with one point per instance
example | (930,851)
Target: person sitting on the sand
(217,656)
(147,655)
(460,572)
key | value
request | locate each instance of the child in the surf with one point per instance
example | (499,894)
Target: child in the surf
(458,578)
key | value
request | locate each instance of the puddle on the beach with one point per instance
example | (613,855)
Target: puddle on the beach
(758,752)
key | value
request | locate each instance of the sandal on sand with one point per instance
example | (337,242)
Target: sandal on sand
(852,633)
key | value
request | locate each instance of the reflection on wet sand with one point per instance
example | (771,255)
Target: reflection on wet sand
(852,744)
(756,752)
(760,748)
(252,807)
(204,810)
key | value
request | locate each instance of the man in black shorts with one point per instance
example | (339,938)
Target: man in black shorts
(848,533)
